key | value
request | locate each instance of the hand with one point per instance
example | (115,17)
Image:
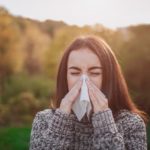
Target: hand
(67,101)
(99,101)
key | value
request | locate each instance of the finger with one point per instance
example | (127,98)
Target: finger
(91,94)
(94,93)
(100,101)
(98,90)
(93,85)
(74,92)
(77,85)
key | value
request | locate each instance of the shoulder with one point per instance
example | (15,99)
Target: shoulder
(45,114)
(130,119)
(125,114)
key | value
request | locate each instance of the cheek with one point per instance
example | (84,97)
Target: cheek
(97,81)
(71,81)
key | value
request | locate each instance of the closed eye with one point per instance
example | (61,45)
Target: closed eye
(76,73)
(96,73)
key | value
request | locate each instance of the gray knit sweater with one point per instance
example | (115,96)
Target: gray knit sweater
(57,130)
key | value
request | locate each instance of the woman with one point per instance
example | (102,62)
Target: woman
(115,123)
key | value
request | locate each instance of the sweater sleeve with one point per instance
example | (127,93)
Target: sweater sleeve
(51,133)
(106,135)
(135,137)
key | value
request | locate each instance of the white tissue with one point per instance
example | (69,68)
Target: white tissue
(82,104)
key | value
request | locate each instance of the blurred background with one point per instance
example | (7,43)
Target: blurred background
(33,36)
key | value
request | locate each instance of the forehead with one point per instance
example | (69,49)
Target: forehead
(83,57)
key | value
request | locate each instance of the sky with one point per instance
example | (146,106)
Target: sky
(110,13)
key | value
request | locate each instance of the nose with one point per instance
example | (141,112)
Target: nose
(84,76)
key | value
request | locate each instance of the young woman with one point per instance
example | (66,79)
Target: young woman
(115,123)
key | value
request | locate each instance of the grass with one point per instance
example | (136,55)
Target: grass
(148,136)
(14,138)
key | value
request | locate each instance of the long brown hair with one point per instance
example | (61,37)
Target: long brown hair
(113,82)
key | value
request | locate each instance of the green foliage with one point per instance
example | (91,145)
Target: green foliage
(41,86)
(9,48)
(24,96)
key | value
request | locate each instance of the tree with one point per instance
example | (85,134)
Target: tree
(10,53)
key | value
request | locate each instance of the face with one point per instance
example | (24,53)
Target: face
(84,61)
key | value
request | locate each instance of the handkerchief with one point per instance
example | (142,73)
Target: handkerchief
(82,104)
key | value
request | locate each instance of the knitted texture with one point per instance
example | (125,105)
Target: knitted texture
(57,130)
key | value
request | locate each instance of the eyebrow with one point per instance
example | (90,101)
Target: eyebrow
(91,68)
